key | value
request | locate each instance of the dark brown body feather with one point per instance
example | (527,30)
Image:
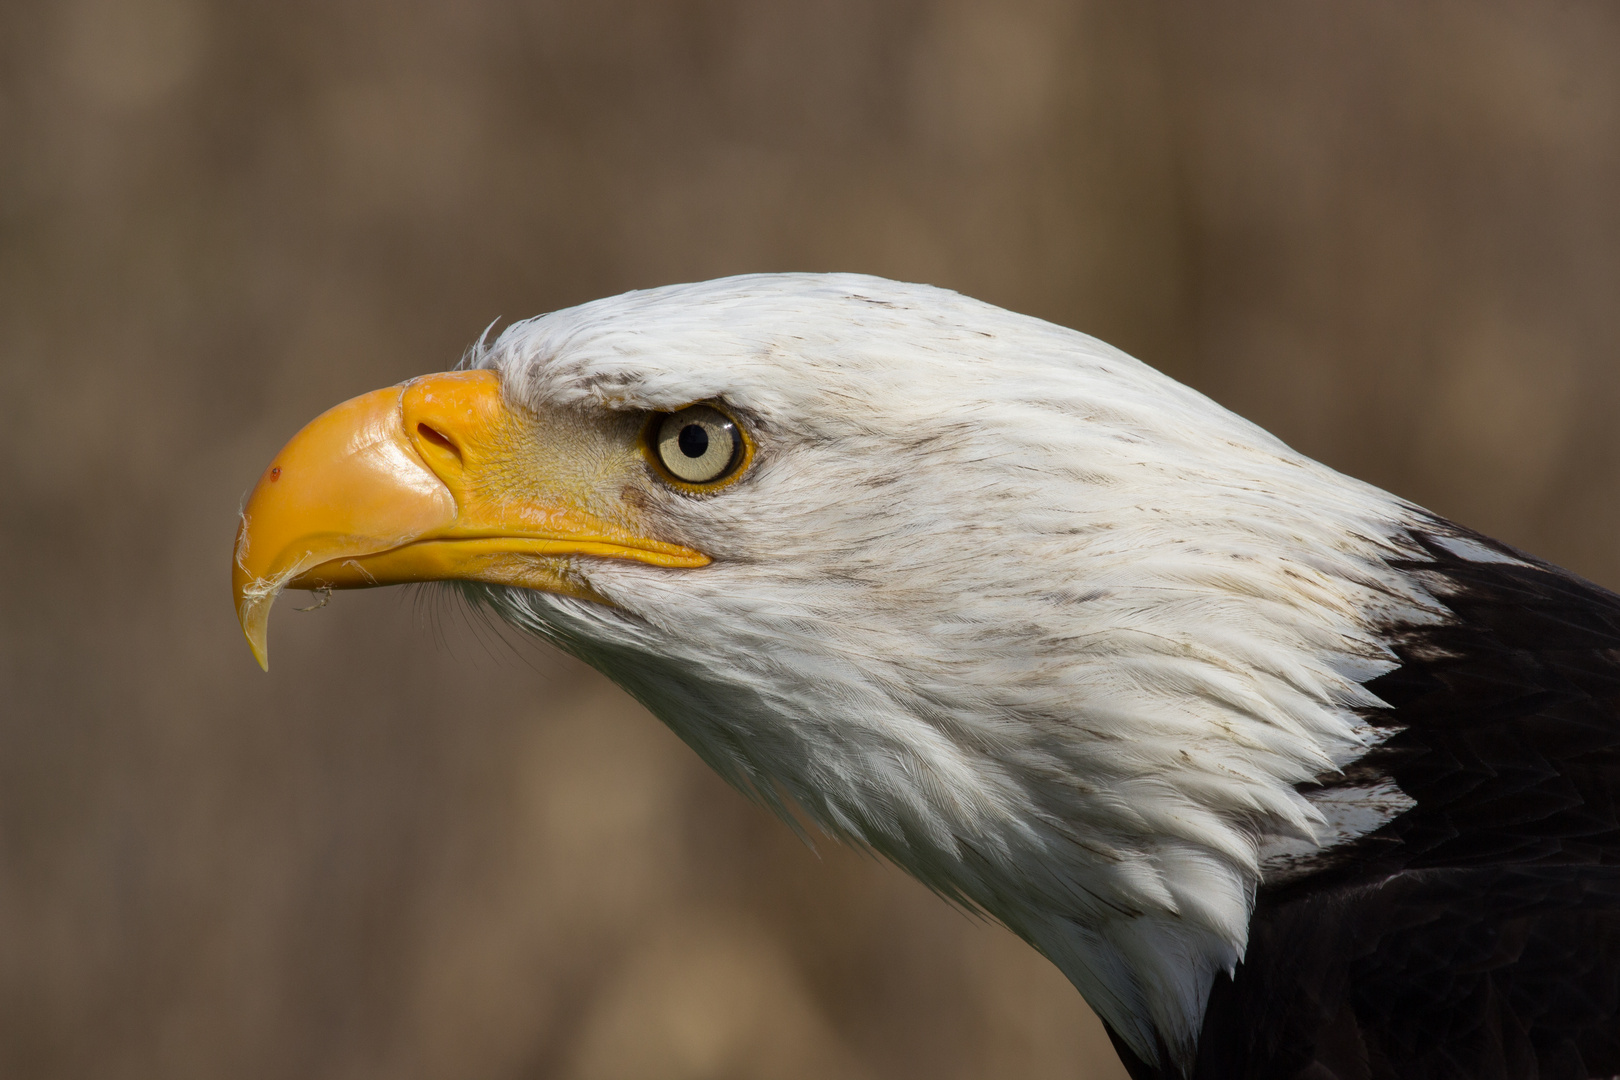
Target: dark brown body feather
(1477,935)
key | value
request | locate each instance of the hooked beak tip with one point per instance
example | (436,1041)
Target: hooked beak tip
(254,615)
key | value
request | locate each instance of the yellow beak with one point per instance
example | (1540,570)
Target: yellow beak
(434,479)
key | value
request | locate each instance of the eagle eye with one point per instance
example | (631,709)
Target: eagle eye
(699,445)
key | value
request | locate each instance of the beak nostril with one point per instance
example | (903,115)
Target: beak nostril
(436,437)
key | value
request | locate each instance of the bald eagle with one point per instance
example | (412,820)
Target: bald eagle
(1289,776)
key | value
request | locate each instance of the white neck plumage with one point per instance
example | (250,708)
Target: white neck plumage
(1054,633)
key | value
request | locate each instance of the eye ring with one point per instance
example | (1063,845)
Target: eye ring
(697,448)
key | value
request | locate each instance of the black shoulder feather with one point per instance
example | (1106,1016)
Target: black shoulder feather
(1477,935)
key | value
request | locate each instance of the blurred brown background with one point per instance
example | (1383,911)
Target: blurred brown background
(1388,230)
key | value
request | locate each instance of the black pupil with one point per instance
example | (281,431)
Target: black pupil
(693,441)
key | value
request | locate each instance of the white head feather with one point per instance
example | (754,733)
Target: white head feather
(1053,632)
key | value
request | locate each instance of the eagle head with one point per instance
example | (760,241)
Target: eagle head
(1056,634)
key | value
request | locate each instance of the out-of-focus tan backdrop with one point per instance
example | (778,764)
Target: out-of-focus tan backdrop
(1389,231)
